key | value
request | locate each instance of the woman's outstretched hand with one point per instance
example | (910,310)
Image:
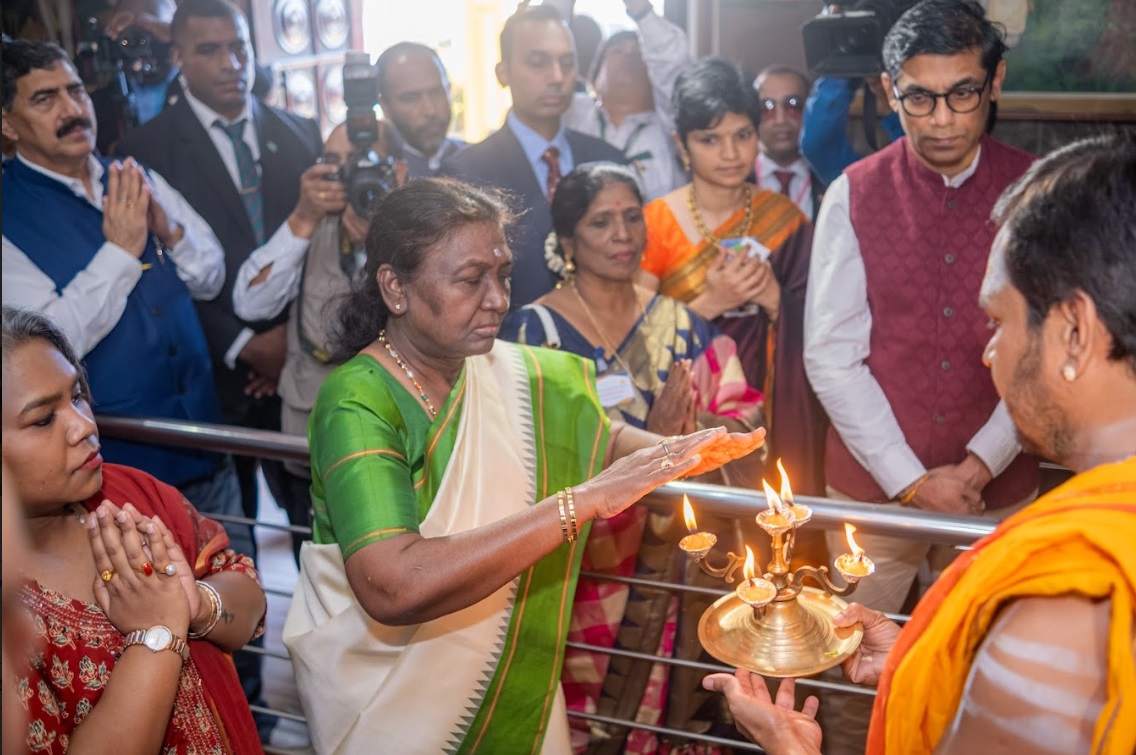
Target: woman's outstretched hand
(776,725)
(633,476)
(727,447)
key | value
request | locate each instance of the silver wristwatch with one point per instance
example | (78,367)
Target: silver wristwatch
(158,638)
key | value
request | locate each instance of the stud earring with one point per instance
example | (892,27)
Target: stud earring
(397,307)
(1069,372)
(569,267)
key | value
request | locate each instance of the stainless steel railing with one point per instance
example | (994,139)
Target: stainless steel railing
(712,499)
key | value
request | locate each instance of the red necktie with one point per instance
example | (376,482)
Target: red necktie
(551,158)
(786,179)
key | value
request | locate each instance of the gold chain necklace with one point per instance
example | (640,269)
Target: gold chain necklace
(603,334)
(409,373)
(700,224)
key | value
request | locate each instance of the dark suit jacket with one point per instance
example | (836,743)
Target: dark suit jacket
(817,189)
(176,145)
(499,161)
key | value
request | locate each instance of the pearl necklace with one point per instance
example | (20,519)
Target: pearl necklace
(409,373)
(700,224)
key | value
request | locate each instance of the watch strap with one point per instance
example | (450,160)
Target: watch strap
(177,644)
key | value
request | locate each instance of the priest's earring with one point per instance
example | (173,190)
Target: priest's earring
(1069,372)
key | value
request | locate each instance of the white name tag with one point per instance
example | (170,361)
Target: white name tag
(749,246)
(614,389)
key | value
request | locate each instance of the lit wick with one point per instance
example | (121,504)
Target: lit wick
(801,513)
(697,544)
(754,591)
(852,566)
(776,520)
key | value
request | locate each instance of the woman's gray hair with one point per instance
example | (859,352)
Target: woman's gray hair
(22,326)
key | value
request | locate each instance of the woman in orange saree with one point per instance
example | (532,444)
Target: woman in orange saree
(747,275)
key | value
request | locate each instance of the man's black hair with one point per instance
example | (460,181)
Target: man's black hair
(388,56)
(1072,227)
(780,69)
(522,16)
(200,9)
(946,27)
(21,57)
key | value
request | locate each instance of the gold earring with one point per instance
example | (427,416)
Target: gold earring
(1069,372)
(686,162)
(569,267)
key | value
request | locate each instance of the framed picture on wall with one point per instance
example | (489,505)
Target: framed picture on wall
(1073,59)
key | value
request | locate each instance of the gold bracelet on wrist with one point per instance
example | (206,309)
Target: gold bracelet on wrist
(217,609)
(909,496)
(573,533)
(563,516)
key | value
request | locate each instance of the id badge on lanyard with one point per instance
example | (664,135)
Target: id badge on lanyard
(614,388)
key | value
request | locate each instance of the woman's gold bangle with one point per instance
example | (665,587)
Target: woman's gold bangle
(217,609)
(572,515)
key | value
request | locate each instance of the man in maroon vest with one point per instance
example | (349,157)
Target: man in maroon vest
(893,332)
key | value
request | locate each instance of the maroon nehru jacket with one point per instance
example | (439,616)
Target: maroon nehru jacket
(924,247)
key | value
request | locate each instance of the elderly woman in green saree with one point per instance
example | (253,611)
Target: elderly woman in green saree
(454,478)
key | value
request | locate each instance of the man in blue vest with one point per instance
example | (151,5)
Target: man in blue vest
(116,257)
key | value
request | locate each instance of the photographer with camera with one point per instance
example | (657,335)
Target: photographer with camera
(894,336)
(355,174)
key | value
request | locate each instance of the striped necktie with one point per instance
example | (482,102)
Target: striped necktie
(249,175)
(551,158)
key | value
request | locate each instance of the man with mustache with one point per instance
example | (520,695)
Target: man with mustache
(414,93)
(780,165)
(894,335)
(117,258)
(534,148)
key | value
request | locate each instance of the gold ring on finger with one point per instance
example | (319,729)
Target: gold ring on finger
(107,575)
(666,464)
(130,205)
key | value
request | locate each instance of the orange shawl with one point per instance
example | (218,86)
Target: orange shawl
(681,266)
(1080,538)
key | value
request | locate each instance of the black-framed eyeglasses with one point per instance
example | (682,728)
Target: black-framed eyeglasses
(792,105)
(921,103)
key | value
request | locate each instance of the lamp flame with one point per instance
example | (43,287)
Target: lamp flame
(772,498)
(688,515)
(786,491)
(857,551)
(747,570)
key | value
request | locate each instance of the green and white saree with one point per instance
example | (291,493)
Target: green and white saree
(519,424)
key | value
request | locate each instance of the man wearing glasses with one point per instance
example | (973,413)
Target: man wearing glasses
(894,336)
(780,166)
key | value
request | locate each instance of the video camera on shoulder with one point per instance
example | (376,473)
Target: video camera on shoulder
(366,176)
(847,44)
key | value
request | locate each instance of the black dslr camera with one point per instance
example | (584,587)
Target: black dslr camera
(366,176)
(848,44)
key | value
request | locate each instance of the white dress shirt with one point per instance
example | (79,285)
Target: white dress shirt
(644,138)
(90,305)
(800,185)
(284,250)
(838,326)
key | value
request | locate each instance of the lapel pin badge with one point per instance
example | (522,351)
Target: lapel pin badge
(271,146)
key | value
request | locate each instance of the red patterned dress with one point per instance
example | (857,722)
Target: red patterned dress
(76,647)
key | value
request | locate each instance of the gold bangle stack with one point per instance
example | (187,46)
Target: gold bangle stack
(567,515)
(909,496)
(218,608)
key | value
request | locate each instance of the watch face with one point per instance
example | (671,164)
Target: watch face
(158,638)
